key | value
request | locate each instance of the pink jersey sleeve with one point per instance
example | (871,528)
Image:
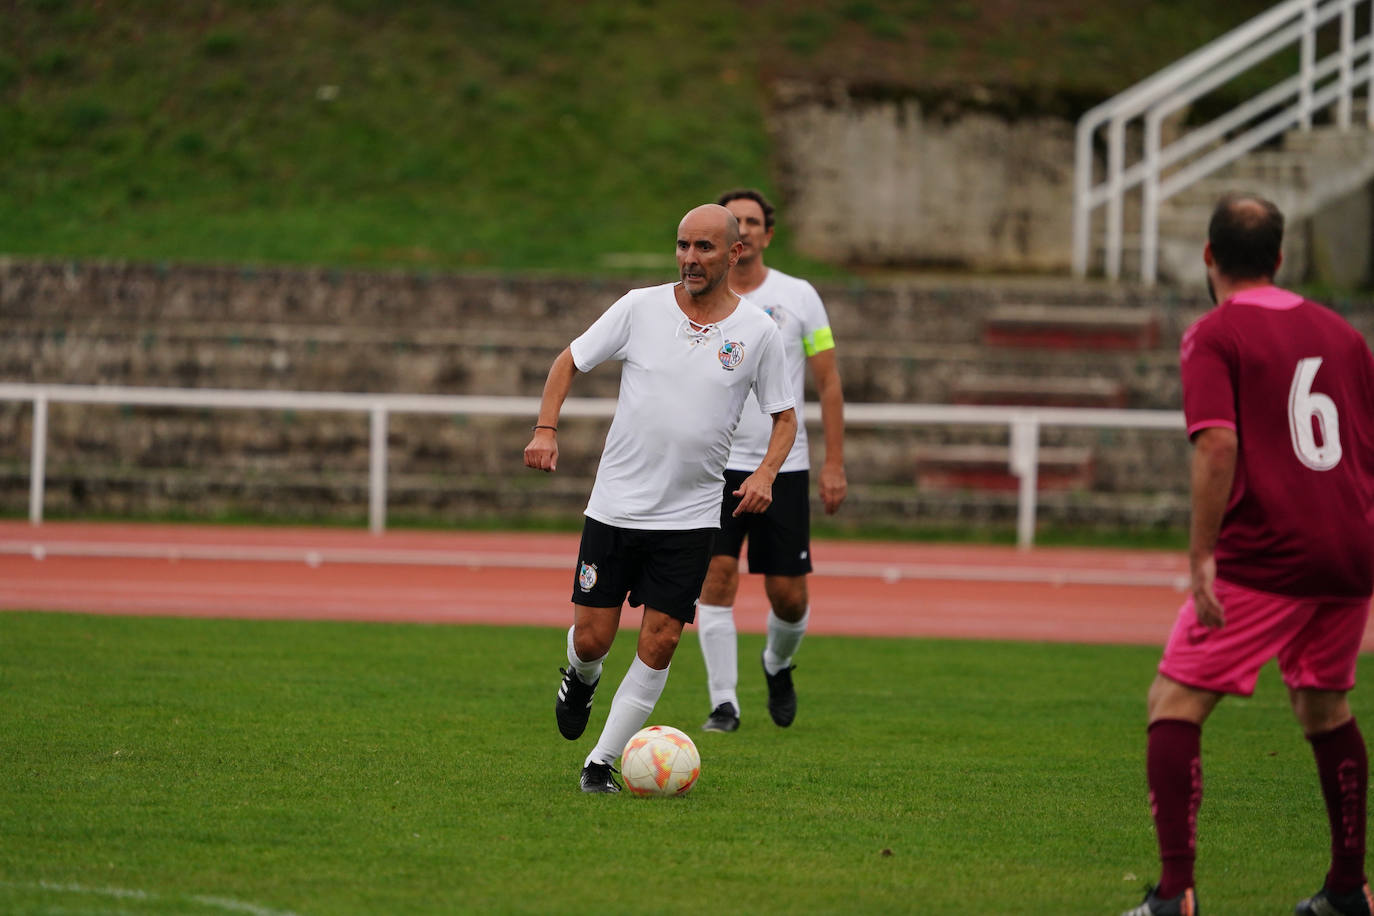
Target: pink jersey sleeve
(1206,362)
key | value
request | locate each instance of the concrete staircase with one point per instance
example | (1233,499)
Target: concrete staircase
(1040,355)
(1312,176)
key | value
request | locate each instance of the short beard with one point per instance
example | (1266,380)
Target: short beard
(697,294)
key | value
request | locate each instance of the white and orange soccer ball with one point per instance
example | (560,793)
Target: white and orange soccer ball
(660,761)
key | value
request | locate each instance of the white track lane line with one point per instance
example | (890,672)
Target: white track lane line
(316,556)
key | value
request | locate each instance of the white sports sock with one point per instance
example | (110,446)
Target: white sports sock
(587,672)
(634,700)
(783,640)
(720,649)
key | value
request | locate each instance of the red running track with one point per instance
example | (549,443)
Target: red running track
(859,588)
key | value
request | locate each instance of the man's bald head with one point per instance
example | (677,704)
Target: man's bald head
(707,247)
(1246,237)
(710,218)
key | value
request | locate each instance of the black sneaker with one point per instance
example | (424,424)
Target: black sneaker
(574,704)
(724,718)
(1324,903)
(599,777)
(1185,904)
(782,696)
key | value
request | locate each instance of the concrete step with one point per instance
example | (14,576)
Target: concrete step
(987,467)
(1061,327)
(1307,172)
(1034,391)
(1357,139)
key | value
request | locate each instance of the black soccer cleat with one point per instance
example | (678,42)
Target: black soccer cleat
(1185,904)
(574,704)
(599,777)
(782,696)
(724,718)
(1324,903)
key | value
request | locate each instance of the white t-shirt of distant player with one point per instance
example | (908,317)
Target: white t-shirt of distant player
(681,392)
(796,308)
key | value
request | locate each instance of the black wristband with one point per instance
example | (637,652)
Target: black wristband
(542,426)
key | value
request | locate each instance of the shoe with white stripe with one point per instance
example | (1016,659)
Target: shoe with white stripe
(723,718)
(1185,904)
(782,695)
(599,777)
(1324,903)
(574,704)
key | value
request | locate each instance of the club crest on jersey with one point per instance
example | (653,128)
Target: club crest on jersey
(731,354)
(776,313)
(586,577)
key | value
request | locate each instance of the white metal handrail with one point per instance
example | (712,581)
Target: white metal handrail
(1149,102)
(1023,423)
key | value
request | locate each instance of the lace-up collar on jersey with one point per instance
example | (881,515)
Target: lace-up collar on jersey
(698,333)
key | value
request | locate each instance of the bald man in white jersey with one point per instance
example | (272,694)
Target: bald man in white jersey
(692,351)
(780,538)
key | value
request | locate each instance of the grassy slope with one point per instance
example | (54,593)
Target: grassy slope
(342,768)
(474,135)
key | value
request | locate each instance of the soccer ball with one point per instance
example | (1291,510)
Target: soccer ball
(660,761)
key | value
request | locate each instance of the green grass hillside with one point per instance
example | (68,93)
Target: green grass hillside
(477,134)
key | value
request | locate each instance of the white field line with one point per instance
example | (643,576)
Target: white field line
(888,572)
(895,572)
(225,904)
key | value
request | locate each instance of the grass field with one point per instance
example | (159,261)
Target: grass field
(218,766)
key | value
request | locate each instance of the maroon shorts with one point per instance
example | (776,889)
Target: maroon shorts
(1316,641)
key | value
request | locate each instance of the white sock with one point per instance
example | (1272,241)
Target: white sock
(587,672)
(783,640)
(634,700)
(720,649)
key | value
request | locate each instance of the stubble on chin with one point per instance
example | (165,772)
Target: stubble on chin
(698,292)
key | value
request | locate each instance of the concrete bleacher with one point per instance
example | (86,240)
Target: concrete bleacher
(1072,327)
(1040,391)
(988,467)
(901,341)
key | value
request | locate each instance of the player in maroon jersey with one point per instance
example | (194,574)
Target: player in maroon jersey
(1278,394)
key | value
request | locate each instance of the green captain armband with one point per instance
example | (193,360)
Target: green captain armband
(818,340)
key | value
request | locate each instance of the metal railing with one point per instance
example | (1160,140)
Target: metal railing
(1023,423)
(1163,170)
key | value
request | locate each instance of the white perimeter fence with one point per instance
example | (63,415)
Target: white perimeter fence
(1023,424)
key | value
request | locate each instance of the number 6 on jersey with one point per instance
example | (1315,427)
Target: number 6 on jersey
(1304,404)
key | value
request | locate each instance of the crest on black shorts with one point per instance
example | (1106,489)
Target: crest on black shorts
(731,354)
(586,576)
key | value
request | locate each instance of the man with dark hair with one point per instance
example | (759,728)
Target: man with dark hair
(1245,235)
(766,213)
(779,538)
(1278,394)
(692,352)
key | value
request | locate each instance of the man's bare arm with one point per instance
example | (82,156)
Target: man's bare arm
(756,492)
(834,486)
(1213,470)
(542,452)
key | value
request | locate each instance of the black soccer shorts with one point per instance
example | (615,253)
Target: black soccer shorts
(658,569)
(780,537)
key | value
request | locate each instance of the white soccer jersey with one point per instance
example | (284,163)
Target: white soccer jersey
(800,315)
(681,393)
